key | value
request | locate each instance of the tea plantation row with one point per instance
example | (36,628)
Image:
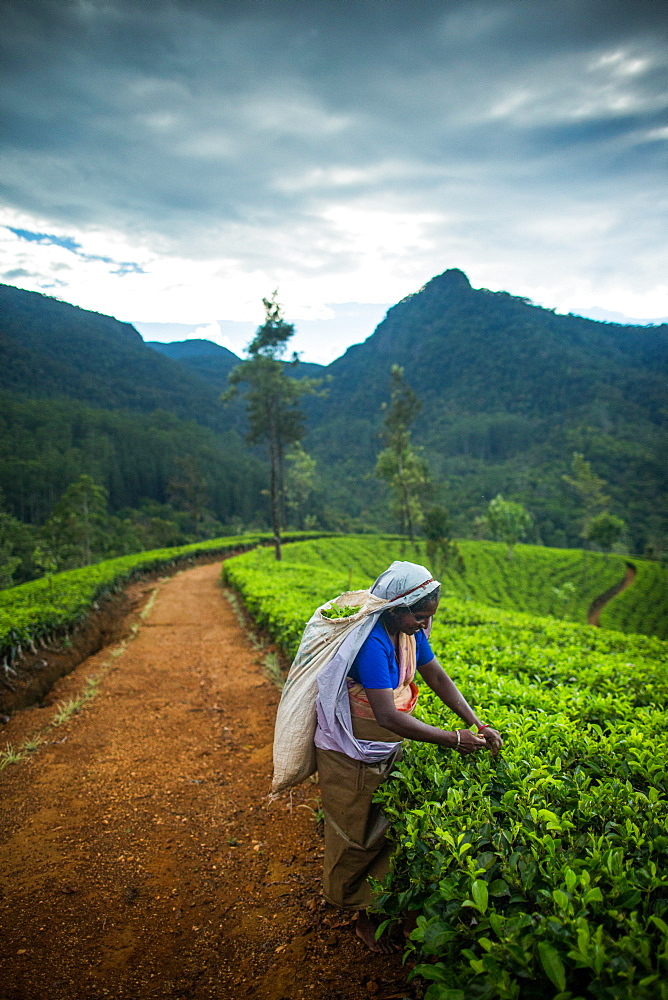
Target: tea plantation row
(46,609)
(644,606)
(542,873)
(562,583)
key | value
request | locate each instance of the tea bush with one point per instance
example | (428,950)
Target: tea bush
(643,607)
(43,609)
(541,873)
(562,583)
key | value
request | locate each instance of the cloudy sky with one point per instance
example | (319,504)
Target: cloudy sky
(172,161)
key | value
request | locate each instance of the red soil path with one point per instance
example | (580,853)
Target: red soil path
(139,855)
(594,614)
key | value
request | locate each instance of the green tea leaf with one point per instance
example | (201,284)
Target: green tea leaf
(499,887)
(561,899)
(439,992)
(552,964)
(480,894)
(340,612)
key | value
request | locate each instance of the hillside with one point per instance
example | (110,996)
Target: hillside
(509,390)
(210,361)
(117,410)
(52,349)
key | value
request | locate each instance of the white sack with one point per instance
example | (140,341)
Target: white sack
(294,749)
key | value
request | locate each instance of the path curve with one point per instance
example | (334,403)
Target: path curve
(594,613)
(139,855)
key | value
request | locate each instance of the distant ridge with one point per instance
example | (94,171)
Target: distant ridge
(194,348)
(51,348)
(214,363)
(209,361)
(509,390)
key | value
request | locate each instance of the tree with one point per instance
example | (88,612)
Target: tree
(16,543)
(399,464)
(589,488)
(299,482)
(442,552)
(272,400)
(508,521)
(604,530)
(188,490)
(9,560)
(74,529)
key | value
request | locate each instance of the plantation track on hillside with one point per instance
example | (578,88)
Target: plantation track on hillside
(140,857)
(594,616)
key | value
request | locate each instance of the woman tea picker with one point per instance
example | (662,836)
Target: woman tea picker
(346,707)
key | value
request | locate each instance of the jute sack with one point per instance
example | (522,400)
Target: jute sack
(294,749)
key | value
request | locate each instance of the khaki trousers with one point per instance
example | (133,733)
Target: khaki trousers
(355,844)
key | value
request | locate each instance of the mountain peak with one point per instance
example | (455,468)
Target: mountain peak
(451,280)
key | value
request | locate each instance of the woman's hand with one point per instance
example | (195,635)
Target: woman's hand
(492,739)
(467,742)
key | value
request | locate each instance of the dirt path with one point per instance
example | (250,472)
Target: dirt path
(594,614)
(139,856)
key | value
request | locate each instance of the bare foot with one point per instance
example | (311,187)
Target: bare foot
(365,928)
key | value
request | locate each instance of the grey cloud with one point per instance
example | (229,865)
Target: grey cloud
(16,273)
(222,125)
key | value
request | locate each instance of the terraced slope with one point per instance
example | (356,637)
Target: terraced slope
(544,869)
(562,583)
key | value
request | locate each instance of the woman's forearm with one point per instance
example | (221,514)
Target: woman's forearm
(449,693)
(405,726)
(413,729)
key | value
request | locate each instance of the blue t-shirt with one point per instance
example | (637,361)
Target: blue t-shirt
(376,664)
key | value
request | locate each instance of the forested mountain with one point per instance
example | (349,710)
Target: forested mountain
(50,348)
(214,363)
(509,391)
(211,361)
(81,393)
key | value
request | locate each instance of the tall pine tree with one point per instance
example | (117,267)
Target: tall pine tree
(272,400)
(399,464)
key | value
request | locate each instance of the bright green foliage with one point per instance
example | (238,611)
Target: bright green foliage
(508,521)
(558,582)
(643,607)
(400,464)
(559,848)
(535,579)
(39,610)
(336,612)
(545,869)
(605,529)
